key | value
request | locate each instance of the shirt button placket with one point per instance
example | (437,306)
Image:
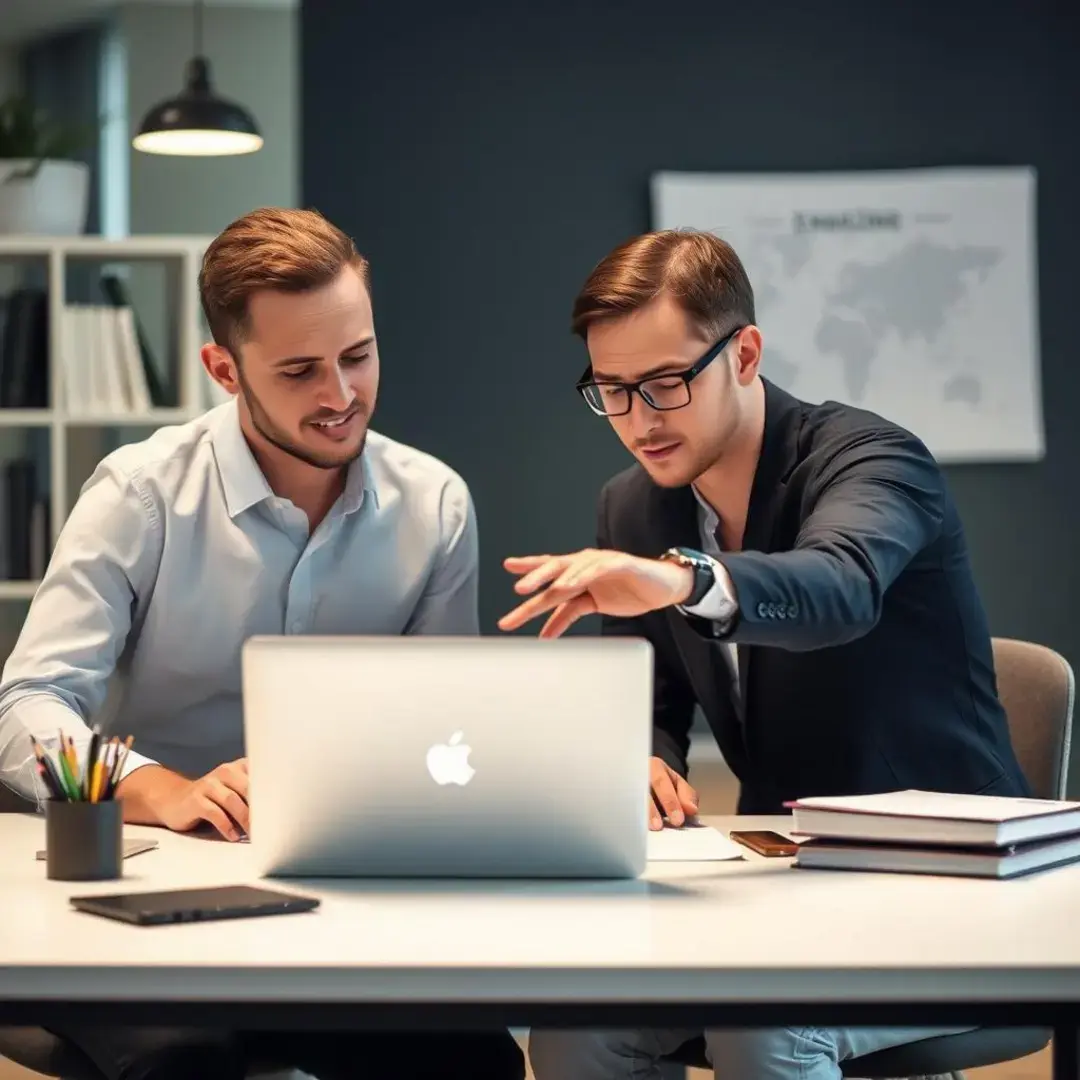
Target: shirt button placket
(299,605)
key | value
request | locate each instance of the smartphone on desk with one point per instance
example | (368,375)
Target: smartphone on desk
(193,905)
(770,844)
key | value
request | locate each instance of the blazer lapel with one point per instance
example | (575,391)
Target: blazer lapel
(779,452)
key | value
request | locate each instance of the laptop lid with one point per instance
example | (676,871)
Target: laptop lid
(455,756)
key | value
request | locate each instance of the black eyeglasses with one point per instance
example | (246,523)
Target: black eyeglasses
(661,392)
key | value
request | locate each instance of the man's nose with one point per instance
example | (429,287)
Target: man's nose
(643,417)
(338,394)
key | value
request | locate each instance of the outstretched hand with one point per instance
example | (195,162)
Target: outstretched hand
(592,582)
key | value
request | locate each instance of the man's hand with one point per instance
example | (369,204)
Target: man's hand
(593,582)
(157,796)
(676,798)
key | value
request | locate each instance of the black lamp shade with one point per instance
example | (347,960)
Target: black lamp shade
(197,123)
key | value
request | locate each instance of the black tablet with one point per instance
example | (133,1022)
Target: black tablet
(193,905)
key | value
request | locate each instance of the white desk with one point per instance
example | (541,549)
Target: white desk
(745,942)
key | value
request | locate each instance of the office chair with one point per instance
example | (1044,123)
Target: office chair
(1036,687)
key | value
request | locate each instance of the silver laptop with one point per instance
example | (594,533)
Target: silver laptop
(448,757)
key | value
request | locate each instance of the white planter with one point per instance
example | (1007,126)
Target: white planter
(51,203)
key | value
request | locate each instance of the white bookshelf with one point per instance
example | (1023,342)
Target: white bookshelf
(173,259)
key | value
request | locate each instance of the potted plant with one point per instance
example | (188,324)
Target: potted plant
(43,188)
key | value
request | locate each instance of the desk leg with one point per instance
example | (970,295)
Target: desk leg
(1066,1051)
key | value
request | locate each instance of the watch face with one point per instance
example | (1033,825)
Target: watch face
(690,556)
(702,568)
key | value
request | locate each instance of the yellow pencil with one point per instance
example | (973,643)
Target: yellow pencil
(95,781)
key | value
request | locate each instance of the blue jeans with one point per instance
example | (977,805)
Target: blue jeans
(797,1053)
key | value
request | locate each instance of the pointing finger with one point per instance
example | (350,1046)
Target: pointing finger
(565,615)
(520,564)
(527,611)
(543,574)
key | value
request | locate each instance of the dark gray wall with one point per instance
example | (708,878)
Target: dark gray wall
(487,154)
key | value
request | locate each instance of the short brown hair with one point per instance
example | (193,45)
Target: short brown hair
(270,248)
(698,269)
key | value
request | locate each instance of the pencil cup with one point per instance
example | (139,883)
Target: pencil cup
(83,840)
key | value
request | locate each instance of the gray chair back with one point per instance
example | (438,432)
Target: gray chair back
(1037,688)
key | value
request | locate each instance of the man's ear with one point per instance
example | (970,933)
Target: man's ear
(221,367)
(748,355)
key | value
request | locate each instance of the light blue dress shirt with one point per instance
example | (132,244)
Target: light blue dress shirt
(719,603)
(177,551)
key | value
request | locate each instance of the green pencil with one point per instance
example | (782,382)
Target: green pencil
(69,781)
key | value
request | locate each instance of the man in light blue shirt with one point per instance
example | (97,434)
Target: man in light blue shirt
(279,511)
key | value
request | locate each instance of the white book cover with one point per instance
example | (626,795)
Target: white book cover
(123,402)
(131,359)
(932,817)
(96,384)
(939,804)
(75,360)
(115,399)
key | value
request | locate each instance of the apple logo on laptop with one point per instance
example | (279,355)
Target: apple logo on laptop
(448,762)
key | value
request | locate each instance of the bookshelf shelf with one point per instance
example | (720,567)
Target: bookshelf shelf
(18,590)
(16,418)
(100,247)
(138,329)
(153,418)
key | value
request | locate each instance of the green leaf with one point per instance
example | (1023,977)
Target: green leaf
(29,133)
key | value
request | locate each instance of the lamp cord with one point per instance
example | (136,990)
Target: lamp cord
(198,27)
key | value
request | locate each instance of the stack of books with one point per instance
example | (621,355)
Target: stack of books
(103,367)
(925,832)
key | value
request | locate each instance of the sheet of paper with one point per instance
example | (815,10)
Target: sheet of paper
(695,843)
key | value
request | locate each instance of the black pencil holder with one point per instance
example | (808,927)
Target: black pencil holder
(83,840)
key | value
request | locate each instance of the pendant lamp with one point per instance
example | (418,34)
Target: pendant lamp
(198,123)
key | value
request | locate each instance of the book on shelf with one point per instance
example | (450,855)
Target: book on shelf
(24,349)
(25,534)
(935,818)
(5,528)
(103,369)
(115,291)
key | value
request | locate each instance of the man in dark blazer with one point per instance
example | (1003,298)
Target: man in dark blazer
(802,574)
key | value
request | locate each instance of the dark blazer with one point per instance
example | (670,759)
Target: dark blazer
(864,651)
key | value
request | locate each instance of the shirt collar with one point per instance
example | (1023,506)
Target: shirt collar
(709,518)
(245,485)
(241,478)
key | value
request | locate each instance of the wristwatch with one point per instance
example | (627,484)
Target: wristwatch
(704,575)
